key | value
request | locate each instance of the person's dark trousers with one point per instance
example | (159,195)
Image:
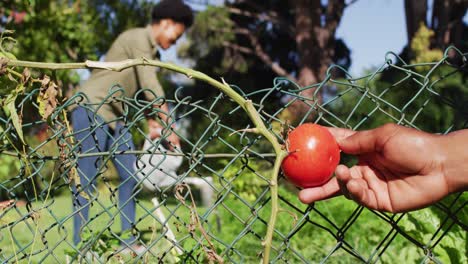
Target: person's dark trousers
(92,135)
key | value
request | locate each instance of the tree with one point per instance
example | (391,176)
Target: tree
(252,42)
(442,105)
(294,39)
(65,31)
(446,20)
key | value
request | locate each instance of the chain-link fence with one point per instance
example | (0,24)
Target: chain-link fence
(210,199)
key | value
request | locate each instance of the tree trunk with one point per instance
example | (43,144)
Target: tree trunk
(415,11)
(307,20)
(315,39)
(447,22)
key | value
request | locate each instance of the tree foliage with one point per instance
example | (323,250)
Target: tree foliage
(253,42)
(444,18)
(64,31)
(250,43)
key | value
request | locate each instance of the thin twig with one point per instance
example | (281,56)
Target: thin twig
(195,220)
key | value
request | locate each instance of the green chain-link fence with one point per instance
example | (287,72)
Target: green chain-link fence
(219,204)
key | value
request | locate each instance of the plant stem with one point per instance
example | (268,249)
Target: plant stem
(224,87)
(268,241)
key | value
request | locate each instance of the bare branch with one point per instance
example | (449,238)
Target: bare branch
(334,13)
(350,3)
(238,47)
(269,16)
(73,54)
(262,55)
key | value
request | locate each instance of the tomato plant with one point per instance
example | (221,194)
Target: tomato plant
(313,156)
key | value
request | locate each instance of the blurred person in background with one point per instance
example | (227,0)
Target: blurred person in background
(100,128)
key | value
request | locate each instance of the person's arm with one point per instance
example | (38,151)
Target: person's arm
(147,79)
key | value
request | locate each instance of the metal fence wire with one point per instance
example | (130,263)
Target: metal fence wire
(216,206)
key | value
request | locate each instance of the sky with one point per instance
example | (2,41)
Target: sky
(370,28)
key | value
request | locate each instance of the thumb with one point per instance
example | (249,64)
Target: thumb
(369,140)
(360,142)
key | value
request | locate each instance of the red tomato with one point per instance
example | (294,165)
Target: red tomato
(314,155)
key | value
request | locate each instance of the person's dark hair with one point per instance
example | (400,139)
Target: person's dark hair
(176,10)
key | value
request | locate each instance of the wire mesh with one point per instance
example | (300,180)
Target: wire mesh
(217,206)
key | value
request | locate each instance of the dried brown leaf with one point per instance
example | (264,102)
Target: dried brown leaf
(26,76)
(47,98)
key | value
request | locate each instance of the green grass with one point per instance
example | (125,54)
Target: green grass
(236,228)
(53,225)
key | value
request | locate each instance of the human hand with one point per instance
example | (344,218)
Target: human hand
(156,131)
(400,169)
(174,140)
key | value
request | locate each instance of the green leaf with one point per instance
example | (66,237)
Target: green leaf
(114,242)
(453,248)
(86,235)
(10,110)
(70,252)
(126,234)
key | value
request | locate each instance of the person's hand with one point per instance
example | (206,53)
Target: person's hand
(155,131)
(400,169)
(174,140)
